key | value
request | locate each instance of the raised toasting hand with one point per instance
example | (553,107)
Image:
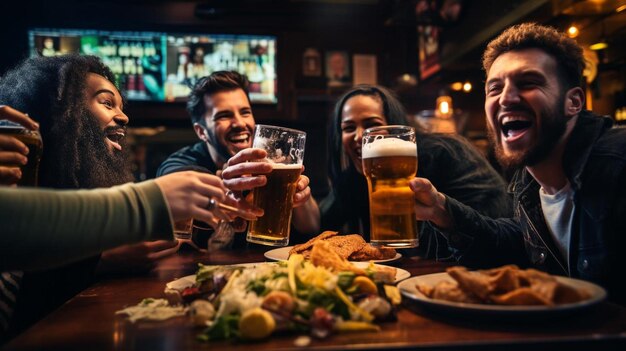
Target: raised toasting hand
(13,152)
(248,169)
(194,194)
(430,204)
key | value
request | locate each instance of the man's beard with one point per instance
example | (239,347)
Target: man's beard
(99,166)
(223,153)
(552,129)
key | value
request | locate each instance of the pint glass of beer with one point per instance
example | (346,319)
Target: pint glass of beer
(389,162)
(285,151)
(33,141)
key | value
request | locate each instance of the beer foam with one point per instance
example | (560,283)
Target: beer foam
(389,147)
(284,166)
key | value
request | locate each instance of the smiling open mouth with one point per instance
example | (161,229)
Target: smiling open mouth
(513,127)
(239,138)
(115,136)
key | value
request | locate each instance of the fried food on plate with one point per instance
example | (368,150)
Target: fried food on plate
(299,249)
(323,254)
(352,247)
(506,285)
(345,245)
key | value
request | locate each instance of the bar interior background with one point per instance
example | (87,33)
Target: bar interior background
(386,29)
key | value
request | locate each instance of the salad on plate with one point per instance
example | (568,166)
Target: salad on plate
(319,297)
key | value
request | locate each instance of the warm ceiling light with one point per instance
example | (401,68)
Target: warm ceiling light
(444,107)
(467,87)
(572,31)
(456,86)
(621,8)
(601,45)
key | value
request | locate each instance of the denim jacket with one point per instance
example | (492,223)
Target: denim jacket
(595,164)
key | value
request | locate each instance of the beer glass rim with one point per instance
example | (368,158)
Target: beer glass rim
(291,130)
(7,124)
(15,127)
(406,130)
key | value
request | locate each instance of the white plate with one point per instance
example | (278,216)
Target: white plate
(190,280)
(282,254)
(408,290)
(181,283)
(401,274)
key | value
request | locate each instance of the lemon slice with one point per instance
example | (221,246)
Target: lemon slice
(365,285)
(256,323)
(393,294)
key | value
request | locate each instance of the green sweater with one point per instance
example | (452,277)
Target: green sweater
(44,228)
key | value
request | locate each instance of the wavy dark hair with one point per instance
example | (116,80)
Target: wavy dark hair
(52,91)
(393,111)
(214,83)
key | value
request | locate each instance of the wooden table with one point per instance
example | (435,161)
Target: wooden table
(88,321)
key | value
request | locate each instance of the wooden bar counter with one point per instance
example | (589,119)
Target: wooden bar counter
(89,322)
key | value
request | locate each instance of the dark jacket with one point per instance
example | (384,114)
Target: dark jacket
(595,164)
(453,166)
(195,157)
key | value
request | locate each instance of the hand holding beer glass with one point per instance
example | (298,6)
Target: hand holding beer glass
(285,152)
(389,162)
(13,131)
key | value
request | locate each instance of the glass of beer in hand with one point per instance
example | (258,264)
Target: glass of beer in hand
(285,151)
(32,139)
(389,162)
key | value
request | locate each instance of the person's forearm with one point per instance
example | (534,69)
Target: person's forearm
(43,228)
(306,218)
(483,239)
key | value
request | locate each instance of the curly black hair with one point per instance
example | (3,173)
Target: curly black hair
(51,90)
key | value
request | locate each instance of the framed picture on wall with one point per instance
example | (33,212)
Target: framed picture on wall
(311,63)
(428,47)
(338,68)
(365,69)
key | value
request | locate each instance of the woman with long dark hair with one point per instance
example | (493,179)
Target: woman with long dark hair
(449,162)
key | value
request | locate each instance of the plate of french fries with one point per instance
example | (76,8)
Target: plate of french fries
(502,290)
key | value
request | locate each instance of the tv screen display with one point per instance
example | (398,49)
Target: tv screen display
(158,66)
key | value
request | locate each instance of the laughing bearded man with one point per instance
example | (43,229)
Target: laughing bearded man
(569,188)
(82,123)
(222,118)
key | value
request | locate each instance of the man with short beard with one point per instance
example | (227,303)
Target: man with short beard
(222,118)
(82,123)
(569,188)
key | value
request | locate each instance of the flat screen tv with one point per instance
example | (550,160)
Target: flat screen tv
(159,66)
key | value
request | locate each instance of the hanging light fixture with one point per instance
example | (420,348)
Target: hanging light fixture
(467,87)
(573,31)
(602,43)
(456,86)
(444,106)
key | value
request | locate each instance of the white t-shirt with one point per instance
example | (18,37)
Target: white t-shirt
(558,209)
